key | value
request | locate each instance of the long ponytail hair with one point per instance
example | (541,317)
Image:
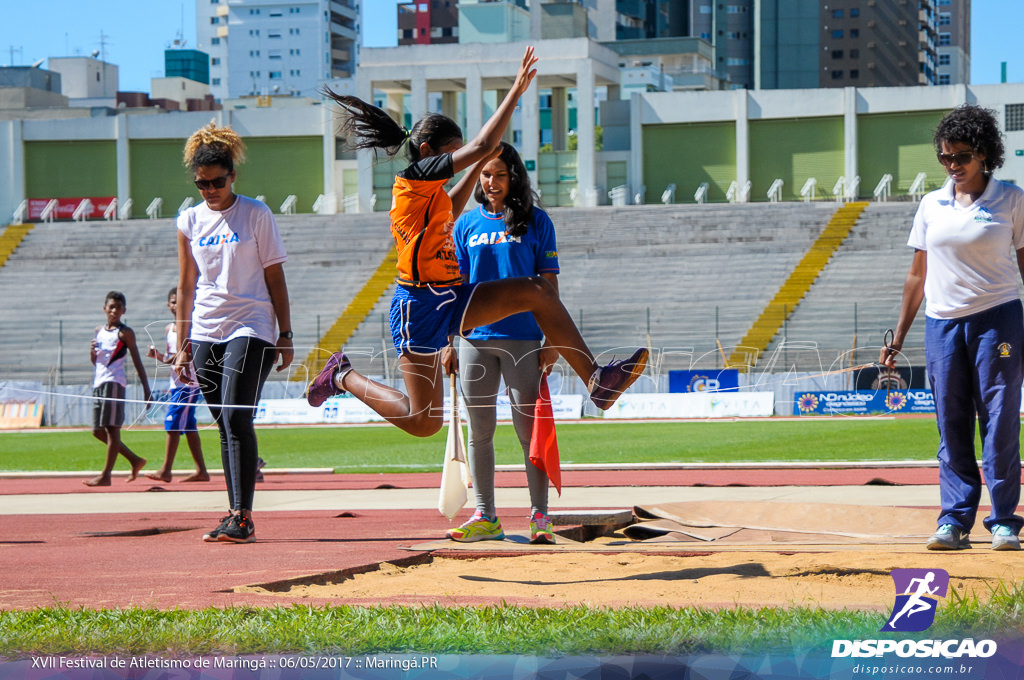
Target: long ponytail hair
(521,198)
(369,127)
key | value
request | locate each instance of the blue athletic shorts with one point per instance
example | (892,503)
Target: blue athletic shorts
(422,318)
(181,414)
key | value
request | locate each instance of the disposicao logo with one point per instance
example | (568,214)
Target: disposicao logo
(917,593)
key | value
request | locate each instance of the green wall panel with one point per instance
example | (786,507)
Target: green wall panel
(69,169)
(157,171)
(275,167)
(279,166)
(384,171)
(899,144)
(688,154)
(794,150)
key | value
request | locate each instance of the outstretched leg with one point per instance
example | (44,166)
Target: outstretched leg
(421,412)
(495,300)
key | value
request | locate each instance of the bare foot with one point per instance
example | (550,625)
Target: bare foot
(136,469)
(160,476)
(98,481)
(198,477)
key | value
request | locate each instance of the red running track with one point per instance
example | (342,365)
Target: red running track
(153,560)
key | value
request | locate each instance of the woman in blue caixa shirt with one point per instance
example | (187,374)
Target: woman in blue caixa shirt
(507,236)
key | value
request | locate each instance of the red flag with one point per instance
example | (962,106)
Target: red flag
(544,444)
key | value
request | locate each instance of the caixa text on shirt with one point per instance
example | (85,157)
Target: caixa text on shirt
(218,240)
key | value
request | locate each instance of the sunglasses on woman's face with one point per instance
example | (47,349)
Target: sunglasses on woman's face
(959,158)
(215,183)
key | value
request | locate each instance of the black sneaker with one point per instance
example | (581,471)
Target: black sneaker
(212,534)
(238,530)
(260,464)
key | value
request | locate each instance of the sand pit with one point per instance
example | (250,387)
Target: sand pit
(835,580)
(752,554)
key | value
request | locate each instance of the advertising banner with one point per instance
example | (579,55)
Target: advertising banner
(863,402)
(66,207)
(882,377)
(694,405)
(725,380)
(348,409)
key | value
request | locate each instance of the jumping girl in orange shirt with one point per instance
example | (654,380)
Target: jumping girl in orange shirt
(431,303)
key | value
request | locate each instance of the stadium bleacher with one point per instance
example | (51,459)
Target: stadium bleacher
(678,277)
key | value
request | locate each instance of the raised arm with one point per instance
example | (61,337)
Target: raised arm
(461,192)
(489,136)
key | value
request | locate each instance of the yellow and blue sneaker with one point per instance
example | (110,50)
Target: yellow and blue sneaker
(540,529)
(479,527)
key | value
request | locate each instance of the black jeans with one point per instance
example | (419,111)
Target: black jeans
(231,375)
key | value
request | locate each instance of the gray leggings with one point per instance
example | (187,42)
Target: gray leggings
(482,364)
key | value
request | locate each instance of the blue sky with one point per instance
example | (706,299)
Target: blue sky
(136,32)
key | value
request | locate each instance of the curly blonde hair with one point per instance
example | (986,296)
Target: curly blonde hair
(213,145)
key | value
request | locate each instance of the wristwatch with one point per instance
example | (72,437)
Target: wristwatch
(287,335)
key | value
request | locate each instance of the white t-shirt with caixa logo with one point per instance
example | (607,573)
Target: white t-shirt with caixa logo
(232,248)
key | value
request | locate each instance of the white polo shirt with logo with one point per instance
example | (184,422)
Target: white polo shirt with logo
(971,250)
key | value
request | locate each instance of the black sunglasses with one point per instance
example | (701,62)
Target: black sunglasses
(215,183)
(959,158)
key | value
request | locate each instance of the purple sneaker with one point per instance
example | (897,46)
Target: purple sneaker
(616,378)
(323,386)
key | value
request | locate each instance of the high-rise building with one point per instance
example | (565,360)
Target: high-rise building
(954,42)
(839,43)
(268,47)
(428,23)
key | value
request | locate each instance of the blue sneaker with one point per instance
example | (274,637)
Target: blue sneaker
(949,537)
(1003,538)
(616,377)
(323,387)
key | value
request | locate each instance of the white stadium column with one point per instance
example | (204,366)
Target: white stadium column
(531,130)
(586,155)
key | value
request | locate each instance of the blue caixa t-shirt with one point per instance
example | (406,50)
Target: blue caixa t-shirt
(486,253)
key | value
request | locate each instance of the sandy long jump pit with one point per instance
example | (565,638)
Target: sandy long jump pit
(680,554)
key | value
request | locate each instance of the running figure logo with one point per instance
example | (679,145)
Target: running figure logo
(917,593)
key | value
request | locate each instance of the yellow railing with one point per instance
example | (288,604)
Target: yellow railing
(355,313)
(767,325)
(11,239)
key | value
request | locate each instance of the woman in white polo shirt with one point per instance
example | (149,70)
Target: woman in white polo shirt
(231,293)
(968,240)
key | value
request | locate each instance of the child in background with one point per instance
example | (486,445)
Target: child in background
(181,414)
(112,343)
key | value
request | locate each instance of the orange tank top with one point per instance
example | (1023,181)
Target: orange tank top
(422,223)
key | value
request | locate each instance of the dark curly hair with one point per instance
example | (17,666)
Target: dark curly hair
(521,197)
(975,127)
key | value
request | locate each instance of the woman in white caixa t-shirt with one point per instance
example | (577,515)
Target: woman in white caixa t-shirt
(232,299)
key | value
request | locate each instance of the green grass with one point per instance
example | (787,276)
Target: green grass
(505,629)
(387,449)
